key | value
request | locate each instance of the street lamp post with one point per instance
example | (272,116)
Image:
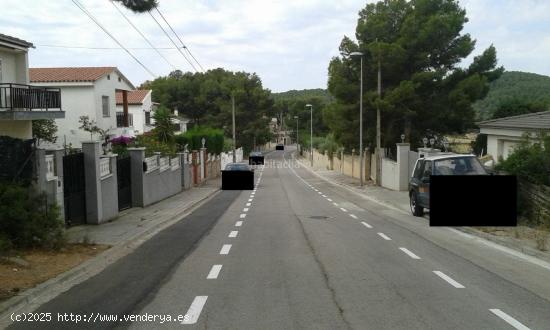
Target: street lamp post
(233,117)
(360,119)
(297,136)
(311,132)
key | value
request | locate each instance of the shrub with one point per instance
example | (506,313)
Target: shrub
(120,145)
(214,139)
(530,160)
(27,221)
(151,144)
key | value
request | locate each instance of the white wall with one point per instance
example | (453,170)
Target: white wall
(14,67)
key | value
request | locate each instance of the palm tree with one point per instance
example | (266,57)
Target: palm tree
(164,127)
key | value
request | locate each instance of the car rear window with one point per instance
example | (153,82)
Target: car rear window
(459,166)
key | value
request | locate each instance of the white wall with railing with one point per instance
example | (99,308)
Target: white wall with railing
(227,157)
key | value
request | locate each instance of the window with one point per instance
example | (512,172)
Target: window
(427,171)
(418,170)
(106,106)
(108,77)
(147,118)
(119,80)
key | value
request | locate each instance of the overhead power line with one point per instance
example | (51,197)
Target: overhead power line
(91,16)
(173,42)
(142,35)
(182,44)
(105,48)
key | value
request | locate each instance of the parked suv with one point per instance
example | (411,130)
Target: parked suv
(442,164)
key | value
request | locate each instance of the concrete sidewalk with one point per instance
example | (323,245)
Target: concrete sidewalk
(134,222)
(399,200)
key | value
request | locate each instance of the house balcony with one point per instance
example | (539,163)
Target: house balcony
(25,102)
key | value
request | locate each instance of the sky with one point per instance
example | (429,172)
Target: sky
(287,43)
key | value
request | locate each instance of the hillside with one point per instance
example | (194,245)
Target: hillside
(293,95)
(524,86)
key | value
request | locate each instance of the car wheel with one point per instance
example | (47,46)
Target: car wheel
(416,209)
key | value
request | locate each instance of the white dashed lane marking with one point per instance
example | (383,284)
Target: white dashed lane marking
(384,236)
(343,209)
(225,249)
(328,199)
(409,253)
(353,216)
(248,204)
(242,216)
(194,310)
(245,209)
(449,280)
(238,223)
(233,233)
(510,320)
(214,272)
(366,224)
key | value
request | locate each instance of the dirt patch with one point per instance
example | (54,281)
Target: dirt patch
(32,267)
(538,238)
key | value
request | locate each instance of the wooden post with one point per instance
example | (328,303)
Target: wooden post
(125,108)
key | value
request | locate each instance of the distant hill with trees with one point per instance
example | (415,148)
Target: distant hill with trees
(304,94)
(514,87)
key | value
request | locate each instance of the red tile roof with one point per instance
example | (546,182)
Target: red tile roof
(78,74)
(134,97)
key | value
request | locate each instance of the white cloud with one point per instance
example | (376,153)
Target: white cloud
(288,43)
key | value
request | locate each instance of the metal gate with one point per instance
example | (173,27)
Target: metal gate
(74,189)
(124,183)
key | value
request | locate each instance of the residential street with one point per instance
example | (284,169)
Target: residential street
(300,253)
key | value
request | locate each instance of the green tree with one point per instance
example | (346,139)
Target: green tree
(516,107)
(205,98)
(419,46)
(139,6)
(44,130)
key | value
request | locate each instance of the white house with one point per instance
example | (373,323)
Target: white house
(503,134)
(21,103)
(140,109)
(87,91)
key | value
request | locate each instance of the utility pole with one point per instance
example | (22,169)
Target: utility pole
(234,138)
(361,127)
(378,143)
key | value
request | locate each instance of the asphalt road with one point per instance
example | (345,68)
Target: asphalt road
(300,253)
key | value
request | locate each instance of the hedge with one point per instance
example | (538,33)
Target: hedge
(214,139)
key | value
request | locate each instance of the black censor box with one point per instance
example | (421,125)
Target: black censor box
(237,180)
(473,200)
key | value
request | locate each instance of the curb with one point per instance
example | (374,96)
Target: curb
(512,245)
(32,298)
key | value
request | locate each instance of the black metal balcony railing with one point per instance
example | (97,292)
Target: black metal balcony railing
(120,119)
(26,97)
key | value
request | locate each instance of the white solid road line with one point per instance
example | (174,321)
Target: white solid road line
(343,209)
(449,280)
(242,216)
(245,209)
(409,253)
(233,233)
(366,224)
(214,272)
(248,204)
(384,236)
(238,223)
(353,216)
(225,249)
(194,310)
(510,320)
